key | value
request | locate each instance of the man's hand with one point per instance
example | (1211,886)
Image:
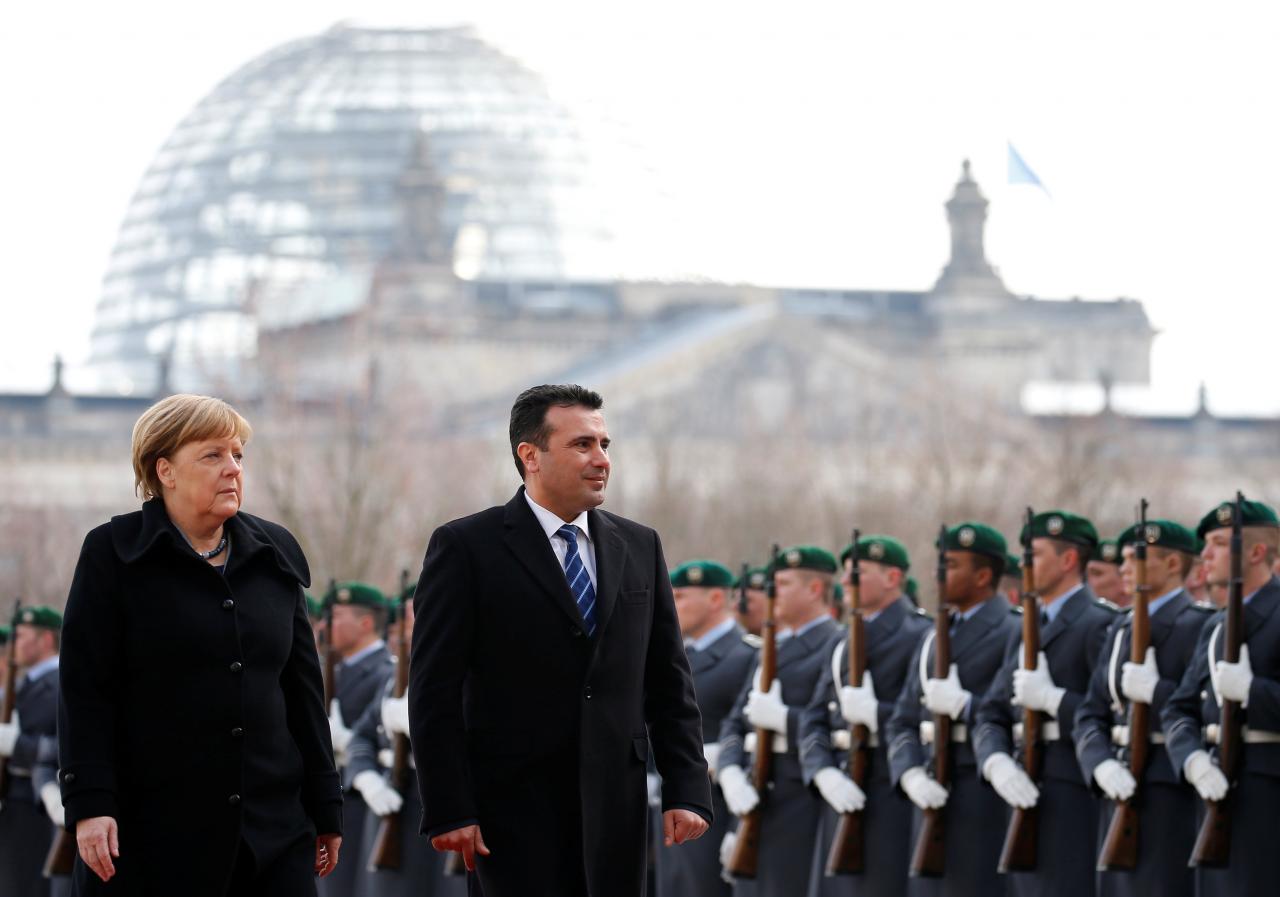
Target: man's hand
(1235,679)
(1205,776)
(765,709)
(381,798)
(327,853)
(9,733)
(858,705)
(339,734)
(945,697)
(739,794)
(925,792)
(1010,782)
(98,840)
(466,840)
(840,792)
(51,797)
(1034,689)
(679,826)
(1138,681)
(1115,780)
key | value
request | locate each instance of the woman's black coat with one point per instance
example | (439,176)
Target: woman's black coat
(191,706)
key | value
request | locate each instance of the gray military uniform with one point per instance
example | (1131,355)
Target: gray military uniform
(892,638)
(25,830)
(693,869)
(789,809)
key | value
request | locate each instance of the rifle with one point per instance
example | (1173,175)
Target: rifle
(1120,847)
(10,694)
(329,657)
(1213,843)
(743,585)
(746,849)
(930,855)
(62,855)
(1023,835)
(386,845)
(846,854)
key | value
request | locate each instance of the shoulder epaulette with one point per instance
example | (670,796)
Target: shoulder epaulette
(753,640)
(1205,607)
(1015,609)
(921,612)
(1107,605)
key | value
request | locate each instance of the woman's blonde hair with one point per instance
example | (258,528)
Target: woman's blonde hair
(170,424)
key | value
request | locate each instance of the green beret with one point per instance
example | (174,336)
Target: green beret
(806,557)
(1108,551)
(881,549)
(1165,533)
(315,607)
(359,594)
(35,615)
(837,592)
(1061,525)
(1252,513)
(757,578)
(702,574)
(4,634)
(977,538)
(1012,564)
(912,588)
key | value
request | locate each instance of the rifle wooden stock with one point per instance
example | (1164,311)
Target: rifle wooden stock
(1213,842)
(62,855)
(10,695)
(1023,835)
(1120,846)
(328,656)
(845,856)
(386,844)
(929,858)
(746,849)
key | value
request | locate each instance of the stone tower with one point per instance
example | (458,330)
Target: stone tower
(968,283)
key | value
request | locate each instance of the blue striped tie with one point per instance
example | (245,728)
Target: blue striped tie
(579,582)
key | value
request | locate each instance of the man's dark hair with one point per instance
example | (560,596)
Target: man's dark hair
(986,562)
(529,414)
(1062,546)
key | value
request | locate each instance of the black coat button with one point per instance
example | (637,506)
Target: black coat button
(69,778)
(575,632)
(587,693)
(233,799)
(237,732)
(228,604)
(236,666)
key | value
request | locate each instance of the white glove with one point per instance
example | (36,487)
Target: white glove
(711,751)
(739,794)
(1138,681)
(395,716)
(9,733)
(765,709)
(1204,774)
(858,705)
(1034,689)
(726,854)
(338,731)
(839,791)
(1114,779)
(945,697)
(51,797)
(653,783)
(925,792)
(1234,679)
(382,799)
(1012,784)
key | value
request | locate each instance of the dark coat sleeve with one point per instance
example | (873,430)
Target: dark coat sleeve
(993,733)
(1094,717)
(902,732)
(671,710)
(816,752)
(303,690)
(362,752)
(89,679)
(444,626)
(1181,718)
(734,728)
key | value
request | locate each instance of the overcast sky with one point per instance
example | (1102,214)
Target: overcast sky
(813,146)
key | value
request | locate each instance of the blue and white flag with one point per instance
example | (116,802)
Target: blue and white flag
(1020,172)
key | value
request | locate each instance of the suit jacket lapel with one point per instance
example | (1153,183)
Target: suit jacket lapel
(611,555)
(1073,608)
(883,629)
(711,655)
(529,544)
(1162,620)
(972,629)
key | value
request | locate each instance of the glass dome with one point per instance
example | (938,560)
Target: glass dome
(283,181)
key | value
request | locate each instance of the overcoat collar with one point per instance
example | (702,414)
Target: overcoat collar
(713,653)
(1163,619)
(134,535)
(807,643)
(1074,607)
(889,622)
(993,612)
(1261,606)
(527,541)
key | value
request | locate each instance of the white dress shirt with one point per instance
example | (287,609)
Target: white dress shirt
(586,547)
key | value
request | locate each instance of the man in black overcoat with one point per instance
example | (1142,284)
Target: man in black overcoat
(546,660)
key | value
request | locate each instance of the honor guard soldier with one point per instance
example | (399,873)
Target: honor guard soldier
(1253,683)
(982,628)
(1011,581)
(315,613)
(751,616)
(893,629)
(1102,574)
(1165,807)
(31,806)
(358,616)
(790,812)
(1073,627)
(719,659)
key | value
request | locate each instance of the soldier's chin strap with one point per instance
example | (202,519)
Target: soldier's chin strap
(924,656)
(1116,703)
